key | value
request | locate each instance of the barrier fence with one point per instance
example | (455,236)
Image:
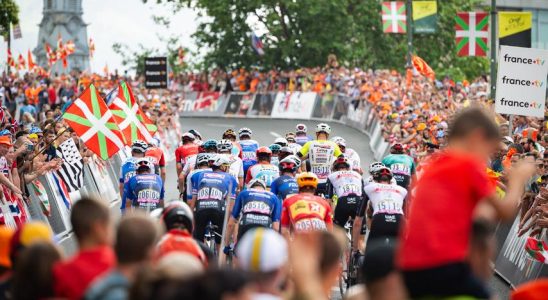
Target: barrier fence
(513,264)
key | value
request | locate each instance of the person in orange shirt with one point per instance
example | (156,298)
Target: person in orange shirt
(31,93)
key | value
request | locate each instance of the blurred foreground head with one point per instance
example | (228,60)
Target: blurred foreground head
(473,130)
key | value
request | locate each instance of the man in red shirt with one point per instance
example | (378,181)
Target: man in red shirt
(305,211)
(92,226)
(434,246)
(184,151)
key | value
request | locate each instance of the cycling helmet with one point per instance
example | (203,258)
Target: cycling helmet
(287,164)
(341,160)
(281,141)
(155,142)
(229,132)
(375,166)
(301,128)
(285,151)
(263,150)
(195,133)
(143,163)
(245,131)
(220,160)
(341,142)
(224,146)
(139,146)
(322,127)
(255,182)
(396,148)
(294,159)
(382,171)
(178,212)
(275,148)
(202,158)
(307,179)
(210,145)
(187,136)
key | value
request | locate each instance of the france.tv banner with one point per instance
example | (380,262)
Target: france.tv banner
(521,81)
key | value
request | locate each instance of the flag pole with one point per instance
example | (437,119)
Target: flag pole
(8,67)
(409,17)
(493,73)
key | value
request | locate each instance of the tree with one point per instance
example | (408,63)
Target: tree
(9,14)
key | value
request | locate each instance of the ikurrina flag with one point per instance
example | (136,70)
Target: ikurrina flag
(515,28)
(537,249)
(472,32)
(394,19)
(133,123)
(425,16)
(94,123)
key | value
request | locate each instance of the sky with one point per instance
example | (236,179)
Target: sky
(124,21)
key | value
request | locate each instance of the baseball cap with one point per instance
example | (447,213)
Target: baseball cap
(27,234)
(378,260)
(5,140)
(6,234)
(261,250)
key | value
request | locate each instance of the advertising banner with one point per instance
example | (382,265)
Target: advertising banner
(515,28)
(262,106)
(239,104)
(425,16)
(324,107)
(295,105)
(521,81)
(156,72)
(202,104)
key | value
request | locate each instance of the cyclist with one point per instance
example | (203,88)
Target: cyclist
(209,146)
(196,134)
(281,141)
(236,165)
(285,152)
(138,150)
(209,194)
(305,211)
(386,205)
(353,156)
(275,149)
(286,185)
(249,148)
(202,165)
(185,150)
(230,135)
(156,156)
(401,165)
(373,168)
(291,142)
(300,134)
(254,207)
(179,222)
(321,154)
(145,190)
(263,170)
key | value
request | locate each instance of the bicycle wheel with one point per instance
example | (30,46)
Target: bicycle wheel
(343,277)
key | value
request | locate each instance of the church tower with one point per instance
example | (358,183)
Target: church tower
(63,17)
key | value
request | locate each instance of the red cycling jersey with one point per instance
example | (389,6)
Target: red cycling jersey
(185,151)
(306,212)
(157,156)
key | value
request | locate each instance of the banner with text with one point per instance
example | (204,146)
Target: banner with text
(156,72)
(521,81)
(202,104)
(295,105)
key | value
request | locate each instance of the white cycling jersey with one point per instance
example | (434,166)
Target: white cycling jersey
(386,198)
(236,166)
(370,180)
(321,154)
(190,164)
(294,147)
(346,182)
(353,159)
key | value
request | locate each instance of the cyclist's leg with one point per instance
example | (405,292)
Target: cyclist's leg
(321,190)
(341,213)
(200,223)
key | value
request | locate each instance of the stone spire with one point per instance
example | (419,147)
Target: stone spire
(63,17)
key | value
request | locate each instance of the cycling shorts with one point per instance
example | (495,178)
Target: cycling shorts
(321,189)
(347,207)
(203,217)
(385,226)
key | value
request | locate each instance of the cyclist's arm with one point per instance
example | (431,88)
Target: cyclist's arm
(328,219)
(248,176)
(178,161)
(126,196)
(304,151)
(276,226)
(330,189)
(337,151)
(162,192)
(285,221)
(230,229)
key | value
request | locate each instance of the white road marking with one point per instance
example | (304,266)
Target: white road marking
(275,134)
(221,125)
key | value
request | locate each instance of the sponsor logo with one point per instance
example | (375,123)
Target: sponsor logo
(518,103)
(522,82)
(524,60)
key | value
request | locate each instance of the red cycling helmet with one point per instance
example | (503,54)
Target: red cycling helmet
(397,148)
(263,150)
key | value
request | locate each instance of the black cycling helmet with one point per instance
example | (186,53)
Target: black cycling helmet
(178,212)
(397,148)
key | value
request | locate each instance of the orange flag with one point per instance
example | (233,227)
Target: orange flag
(105,70)
(423,68)
(30,61)
(22,63)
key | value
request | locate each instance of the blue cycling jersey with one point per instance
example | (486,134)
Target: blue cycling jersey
(257,207)
(128,170)
(211,189)
(284,186)
(249,153)
(191,179)
(144,191)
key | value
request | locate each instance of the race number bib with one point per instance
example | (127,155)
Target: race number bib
(401,169)
(348,189)
(388,206)
(207,193)
(310,225)
(322,171)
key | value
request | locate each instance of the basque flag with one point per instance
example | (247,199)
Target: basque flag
(257,44)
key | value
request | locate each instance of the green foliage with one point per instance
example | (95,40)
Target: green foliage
(134,59)
(303,33)
(9,14)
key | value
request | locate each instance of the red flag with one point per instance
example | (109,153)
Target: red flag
(61,53)
(30,61)
(69,48)
(91,47)
(22,63)
(51,56)
(423,68)
(11,61)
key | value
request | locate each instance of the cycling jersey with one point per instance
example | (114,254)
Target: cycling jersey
(256,208)
(184,151)
(402,167)
(236,167)
(321,154)
(385,198)
(264,171)
(191,178)
(274,160)
(156,156)
(190,164)
(284,186)
(370,180)
(128,170)
(353,159)
(302,139)
(294,147)
(177,240)
(306,212)
(348,187)
(249,153)
(236,149)
(144,191)
(211,189)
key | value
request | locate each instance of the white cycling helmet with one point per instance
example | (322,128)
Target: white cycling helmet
(339,141)
(256,181)
(220,160)
(245,131)
(224,146)
(281,141)
(202,158)
(322,127)
(301,128)
(294,159)
(375,167)
(143,162)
